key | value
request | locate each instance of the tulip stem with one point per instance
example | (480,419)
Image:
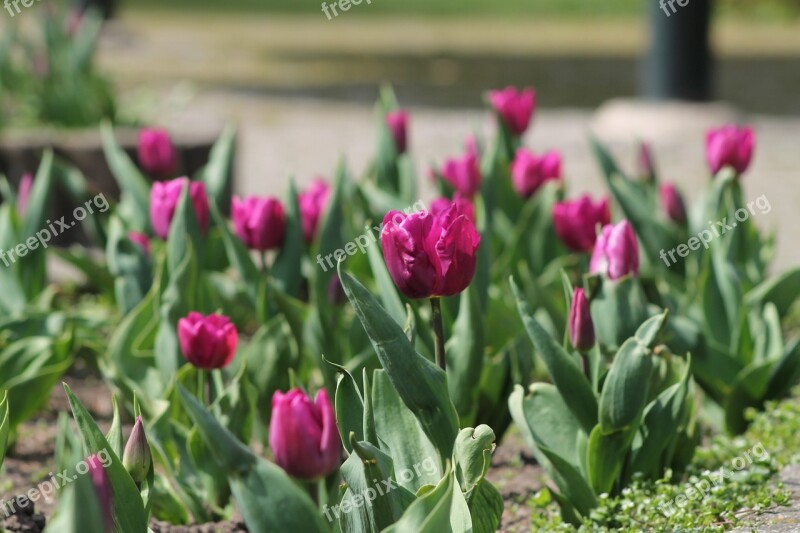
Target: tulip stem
(264,267)
(438,332)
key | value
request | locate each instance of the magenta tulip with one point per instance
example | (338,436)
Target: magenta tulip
(464,174)
(312,204)
(259,222)
(157,154)
(164,197)
(730,146)
(464,206)
(529,171)
(397,121)
(515,108)
(576,221)
(24,193)
(645,162)
(207,342)
(141,240)
(430,255)
(616,253)
(102,487)
(581,328)
(303,434)
(672,203)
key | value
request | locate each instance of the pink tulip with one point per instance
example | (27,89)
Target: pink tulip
(576,221)
(464,174)
(157,154)
(529,171)
(616,253)
(24,193)
(141,240)
(303,434)
(259,222)
(164,198)
(672,203)
(464,206)
(207,342)
(397,121)
(430,255)
(581,328)
(514,107)
(312,204)
(730,146)
(646,163)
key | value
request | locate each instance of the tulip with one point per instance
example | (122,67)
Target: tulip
(529,171)
(137,457)
(397,121)
(730,146)
(440,205)
(576,222)
(259,222)
(312,203)
(303,434)
(515,108)
(164,198)
(141,240)
(24,193)
(616,253)
(207,342)
(335,291)
(672,202)
(581,328)
(463,174)
(647,167)
(430,255)
(157,155)
(102,487)
(471,146)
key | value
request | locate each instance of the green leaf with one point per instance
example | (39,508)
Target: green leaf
(349,407)
(618,308)
(440,510)
(473,456)
(485,507)
(134,188)
(218,172)
(239,257)
(624,393)
(114,435)
(287,268)
(5,426)
(605,455)
(385,285)
(465,355)
(782,290)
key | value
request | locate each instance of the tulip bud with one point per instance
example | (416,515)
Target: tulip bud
(312,204)
(397,121)
(730,146)
(529,171)
(157,155)
(137,457)
(463,174)
(616,253)
(102,487)
(581,328)
(647,168)
(164,197)
(430,255)
(259,222)
(303,435)
(207,342)
(672,202)
(141,240)
(576,222)
(24,193)
(515,108)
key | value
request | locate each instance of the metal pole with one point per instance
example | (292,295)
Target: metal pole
(679,62)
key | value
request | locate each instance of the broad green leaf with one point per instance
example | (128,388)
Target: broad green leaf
(217,174)
(465,355)
(605,455)
(624,393)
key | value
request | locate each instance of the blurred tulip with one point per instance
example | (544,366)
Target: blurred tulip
(616,253)
(259,222)
(137,457)
(529,171)
(514,107)
(581,328)
(141,240)
(312,204)
(164,197)
(672,203)
(24,193)
(464,206)
(157,154)
(303,435)
(397,121)
(576,221)
(430,255)
(471,146)
(730,146)
(207,342)
(646,162)
(464,174)
(102,487)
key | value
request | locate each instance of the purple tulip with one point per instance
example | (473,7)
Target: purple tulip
(616,253)
(207,342)
(430,255)
(581,328)
(137,457)
(646,162)
(397,121)
(529,171)
(24,193)
(157,154)
(102,487)
(164,198)
(730,146)
(464,174)
(464,206)
(672,202)
(515,108)
(576,221)
(259,222)
(303,434)
(312,203)
(141,240)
